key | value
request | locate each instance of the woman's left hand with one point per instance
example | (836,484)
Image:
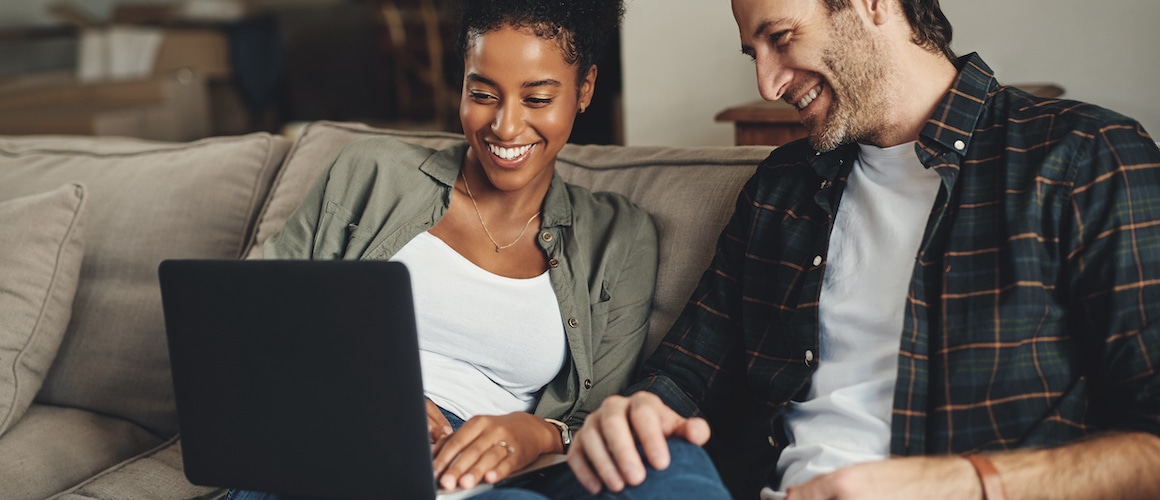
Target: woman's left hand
(490,447)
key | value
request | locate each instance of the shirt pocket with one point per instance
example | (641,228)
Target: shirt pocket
(600,305)
(340,216)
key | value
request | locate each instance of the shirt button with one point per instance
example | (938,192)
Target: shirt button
(809,355)
(573,323)
(546,236)
(960,145)
(772,442)
(554,263)
(587,383)
(825,184)
(817,261)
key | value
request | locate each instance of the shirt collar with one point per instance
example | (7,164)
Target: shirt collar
(950,127)
(444,165)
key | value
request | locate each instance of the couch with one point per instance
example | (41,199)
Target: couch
(86,400)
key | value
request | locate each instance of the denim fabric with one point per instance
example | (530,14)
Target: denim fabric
(452,419)
(690,474)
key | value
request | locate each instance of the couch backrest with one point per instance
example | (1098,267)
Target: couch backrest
(689,192)
(147,201)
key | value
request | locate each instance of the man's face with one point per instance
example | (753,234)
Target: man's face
(830,66)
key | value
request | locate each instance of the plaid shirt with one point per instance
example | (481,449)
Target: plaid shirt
(1031,312)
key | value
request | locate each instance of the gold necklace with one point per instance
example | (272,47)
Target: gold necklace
(498,247)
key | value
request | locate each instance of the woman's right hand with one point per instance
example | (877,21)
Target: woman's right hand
(437,425)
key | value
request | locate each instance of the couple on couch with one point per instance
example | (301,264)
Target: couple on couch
(973,319)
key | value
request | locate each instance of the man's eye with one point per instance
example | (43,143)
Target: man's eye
(779,38)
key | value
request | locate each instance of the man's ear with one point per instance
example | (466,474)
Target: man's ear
(588,87)
(880,11)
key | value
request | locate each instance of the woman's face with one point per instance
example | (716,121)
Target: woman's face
(519,101)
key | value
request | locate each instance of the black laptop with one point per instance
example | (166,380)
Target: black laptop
(298,377)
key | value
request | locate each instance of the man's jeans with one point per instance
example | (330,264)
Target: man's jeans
(690,474)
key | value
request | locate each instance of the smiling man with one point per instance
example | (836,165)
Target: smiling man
(951,290)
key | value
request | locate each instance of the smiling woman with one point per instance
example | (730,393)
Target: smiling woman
(531,295)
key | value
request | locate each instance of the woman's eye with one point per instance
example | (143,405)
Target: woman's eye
(538,101)
(481,97)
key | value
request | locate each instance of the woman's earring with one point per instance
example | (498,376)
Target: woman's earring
(582,106)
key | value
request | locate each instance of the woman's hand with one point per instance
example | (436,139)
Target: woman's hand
(437,425)
(489,448)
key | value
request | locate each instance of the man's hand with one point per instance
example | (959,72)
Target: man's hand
(437,425)
(903,478)
(603,452)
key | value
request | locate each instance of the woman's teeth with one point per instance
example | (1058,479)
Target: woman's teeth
(509,153)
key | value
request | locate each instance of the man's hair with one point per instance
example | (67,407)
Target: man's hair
(932,30)
(581,27)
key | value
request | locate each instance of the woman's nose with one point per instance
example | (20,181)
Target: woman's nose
(508,122)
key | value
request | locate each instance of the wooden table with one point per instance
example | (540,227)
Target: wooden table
(765,123)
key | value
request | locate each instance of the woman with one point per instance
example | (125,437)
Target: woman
(531,295)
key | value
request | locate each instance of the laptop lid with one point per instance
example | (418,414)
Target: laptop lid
(298,377)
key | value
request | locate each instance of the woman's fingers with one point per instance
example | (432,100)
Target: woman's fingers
(437,424)
(487,449)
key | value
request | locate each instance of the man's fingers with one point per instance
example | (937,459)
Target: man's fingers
(652,428)
(695,430)
(597,467)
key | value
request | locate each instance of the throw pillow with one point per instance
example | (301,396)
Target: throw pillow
(41,246)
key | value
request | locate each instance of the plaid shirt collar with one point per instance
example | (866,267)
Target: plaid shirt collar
(942,141)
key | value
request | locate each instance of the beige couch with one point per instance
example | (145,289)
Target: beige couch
(86,405)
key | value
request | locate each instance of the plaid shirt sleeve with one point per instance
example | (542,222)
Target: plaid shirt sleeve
(1114,271)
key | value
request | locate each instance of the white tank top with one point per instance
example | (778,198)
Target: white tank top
(487,343)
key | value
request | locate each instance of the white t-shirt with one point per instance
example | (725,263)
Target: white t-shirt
(845,418)
(487,343)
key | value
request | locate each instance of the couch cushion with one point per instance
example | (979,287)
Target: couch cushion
(42,242)
(53,448)
(147,201)
(689,192)
(153,475)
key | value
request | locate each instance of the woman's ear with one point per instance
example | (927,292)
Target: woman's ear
(587,88)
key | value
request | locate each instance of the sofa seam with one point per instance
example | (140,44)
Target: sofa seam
(53,285)
(250,222)
(119,466)
(158,147)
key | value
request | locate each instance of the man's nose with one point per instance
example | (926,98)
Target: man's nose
(773,78)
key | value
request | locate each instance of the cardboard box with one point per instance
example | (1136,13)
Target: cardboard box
(169,107)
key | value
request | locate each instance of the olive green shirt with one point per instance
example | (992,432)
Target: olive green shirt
(602,253)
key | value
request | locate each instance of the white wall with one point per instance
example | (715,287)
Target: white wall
(682,63)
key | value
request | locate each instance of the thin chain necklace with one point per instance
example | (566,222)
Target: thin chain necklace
(498,247)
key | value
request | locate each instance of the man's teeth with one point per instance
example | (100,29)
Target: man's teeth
(509,153)
(809,98)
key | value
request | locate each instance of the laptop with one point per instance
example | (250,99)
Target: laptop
(301,378)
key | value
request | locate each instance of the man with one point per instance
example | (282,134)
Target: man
(951,291)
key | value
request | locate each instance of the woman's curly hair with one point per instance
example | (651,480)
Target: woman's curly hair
(581,27)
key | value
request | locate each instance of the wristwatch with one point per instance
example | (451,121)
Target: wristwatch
(565,432)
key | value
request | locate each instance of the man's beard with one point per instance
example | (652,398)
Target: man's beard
(857,86)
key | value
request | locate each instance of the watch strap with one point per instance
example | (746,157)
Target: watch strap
(565,432)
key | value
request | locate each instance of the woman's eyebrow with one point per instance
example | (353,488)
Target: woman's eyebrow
(545,82)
